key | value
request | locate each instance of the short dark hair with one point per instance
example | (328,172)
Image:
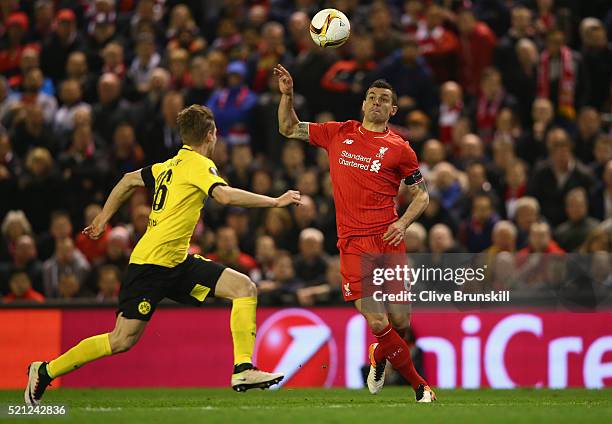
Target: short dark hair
(382,83)
(194,123)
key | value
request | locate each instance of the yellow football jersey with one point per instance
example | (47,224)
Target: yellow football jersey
(181,184)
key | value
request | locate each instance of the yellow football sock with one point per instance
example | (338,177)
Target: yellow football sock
(87,350)
(242,325)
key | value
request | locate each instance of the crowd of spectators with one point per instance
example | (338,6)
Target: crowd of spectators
(508,105)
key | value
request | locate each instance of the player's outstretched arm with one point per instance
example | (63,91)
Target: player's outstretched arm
(420,200)
(120,193)
(236,197)
(288,122)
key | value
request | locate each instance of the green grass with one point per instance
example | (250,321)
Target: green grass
(313,406)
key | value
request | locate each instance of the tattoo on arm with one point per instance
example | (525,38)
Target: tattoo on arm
(418,187)
(301,131)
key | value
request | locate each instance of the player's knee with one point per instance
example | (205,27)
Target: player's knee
(246,288)
(400,321)
(377,322)
(240,286)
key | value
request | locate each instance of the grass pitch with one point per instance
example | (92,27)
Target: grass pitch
(315,406)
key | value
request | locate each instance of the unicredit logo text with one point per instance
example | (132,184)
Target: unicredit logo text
(469,350)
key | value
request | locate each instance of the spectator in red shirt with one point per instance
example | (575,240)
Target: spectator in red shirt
(228,252)
(108,283)
(450,111)
(265,253)
(536,263)
(515,186)
(178,64)
(541,241)
(560,76)
(21,289)
(476,46)
(94,250)
(16,25)
(413,14)
(546,19)
(438,45)
(30,59)
(490,101)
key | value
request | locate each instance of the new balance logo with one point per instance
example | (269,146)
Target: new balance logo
(381,152)
(375,167)
(348,141)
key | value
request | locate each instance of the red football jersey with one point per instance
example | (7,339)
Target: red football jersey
(366,169)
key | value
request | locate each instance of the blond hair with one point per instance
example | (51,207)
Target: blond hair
(194,123)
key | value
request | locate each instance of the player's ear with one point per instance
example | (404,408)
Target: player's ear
(210,135)
(393,110)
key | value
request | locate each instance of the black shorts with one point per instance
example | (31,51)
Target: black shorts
(144,286)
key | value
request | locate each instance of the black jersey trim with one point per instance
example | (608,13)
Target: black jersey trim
(147,176)
(212,187)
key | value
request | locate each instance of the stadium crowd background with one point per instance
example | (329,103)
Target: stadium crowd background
(508,105)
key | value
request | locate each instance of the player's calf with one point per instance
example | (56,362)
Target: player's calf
(122,342)
(126,334)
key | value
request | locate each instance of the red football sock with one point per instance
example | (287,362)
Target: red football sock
(379,354)
(392,347)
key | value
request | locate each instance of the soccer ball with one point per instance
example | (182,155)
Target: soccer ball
(330,28)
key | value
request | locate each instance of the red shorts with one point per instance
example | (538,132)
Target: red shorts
(360,256)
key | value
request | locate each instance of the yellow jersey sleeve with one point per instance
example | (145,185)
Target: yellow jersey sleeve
(156,169)
(150,173)
(205,176)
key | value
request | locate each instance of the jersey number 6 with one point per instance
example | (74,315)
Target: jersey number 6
(161,194)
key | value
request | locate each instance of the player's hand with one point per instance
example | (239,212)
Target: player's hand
(395,233)
(95,230)
(285,82)
(290,197)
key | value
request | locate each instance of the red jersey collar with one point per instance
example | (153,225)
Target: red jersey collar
(375,134)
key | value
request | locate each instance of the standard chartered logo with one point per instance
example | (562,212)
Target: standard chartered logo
(375,167)
(358,161)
